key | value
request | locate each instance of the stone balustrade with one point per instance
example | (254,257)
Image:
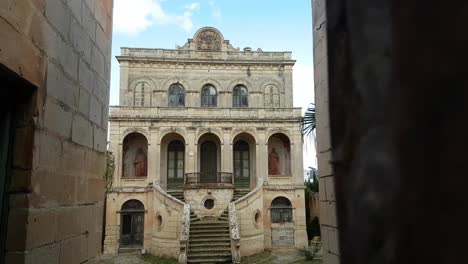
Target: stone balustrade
(184,234)
(234,233)
(159,54)
(191,113)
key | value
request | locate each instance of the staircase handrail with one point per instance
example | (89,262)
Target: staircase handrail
(234,234)
(250,194)
(160,190)
(184,235)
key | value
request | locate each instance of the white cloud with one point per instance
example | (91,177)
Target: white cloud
(215,10)
(193,6)
(132,17)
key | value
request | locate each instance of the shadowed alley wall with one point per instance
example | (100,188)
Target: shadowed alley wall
(62,49)
(397,103)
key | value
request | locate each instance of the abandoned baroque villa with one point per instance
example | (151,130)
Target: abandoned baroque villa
(208,152)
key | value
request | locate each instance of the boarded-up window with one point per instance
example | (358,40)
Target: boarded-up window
(272,97)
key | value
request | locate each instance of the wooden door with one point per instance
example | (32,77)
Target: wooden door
(208,162)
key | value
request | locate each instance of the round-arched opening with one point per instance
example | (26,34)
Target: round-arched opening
(279,155)
(135,156)
(244,160)
(240,96)
(257,218)
(172,161)
(159,221)
(176,95)
(132,223)
(209,204)
(209,96)
(210,157)
(281,210)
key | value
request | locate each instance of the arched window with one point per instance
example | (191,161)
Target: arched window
(241,164)
(240,96)
(209,96)
(141,94)
(272,97)
(175,164)
(281,210)
(176,95)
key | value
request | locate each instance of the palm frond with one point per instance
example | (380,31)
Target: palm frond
(308,121)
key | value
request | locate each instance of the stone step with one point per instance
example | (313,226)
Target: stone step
(209,235)
(211,222)
(209,231)
(208,255)
(210,261)
(206,227)
(200,225)
(212,250)
(226,239)
(209,243)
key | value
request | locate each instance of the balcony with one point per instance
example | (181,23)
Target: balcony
(209,179)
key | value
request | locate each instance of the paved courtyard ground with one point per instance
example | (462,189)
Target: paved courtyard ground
(276,257)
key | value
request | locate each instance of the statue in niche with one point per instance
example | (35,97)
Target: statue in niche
(140,164)
(273,163)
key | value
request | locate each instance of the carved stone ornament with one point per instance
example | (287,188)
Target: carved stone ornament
(208,40)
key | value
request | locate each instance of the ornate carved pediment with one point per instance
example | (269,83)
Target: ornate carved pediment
(208,40)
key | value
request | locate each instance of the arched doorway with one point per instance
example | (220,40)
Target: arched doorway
(175,164)
(282,225)
(241,164)
(208,162)
(132,224)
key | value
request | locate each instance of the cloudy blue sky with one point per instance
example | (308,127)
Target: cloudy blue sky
(266,24)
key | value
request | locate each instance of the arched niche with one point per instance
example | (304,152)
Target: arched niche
(279,155)
(135,156)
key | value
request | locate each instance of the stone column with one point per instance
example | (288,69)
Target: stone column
(154,156)
(191,163)
(262,156)
(124,84)
(297,161)
(226,150)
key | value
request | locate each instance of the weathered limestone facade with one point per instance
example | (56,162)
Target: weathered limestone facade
(187,103)
(328,219)
(54,69)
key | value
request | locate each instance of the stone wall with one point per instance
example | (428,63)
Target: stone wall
(196,198)
(63,48)
(250,218)
(296,196)
(328,221)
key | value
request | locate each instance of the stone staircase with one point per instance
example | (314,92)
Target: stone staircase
(239,193)
(178,194)
(209,240)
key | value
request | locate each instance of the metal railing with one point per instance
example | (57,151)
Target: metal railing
(208,177)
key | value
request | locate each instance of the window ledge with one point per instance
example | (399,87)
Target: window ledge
(279,176)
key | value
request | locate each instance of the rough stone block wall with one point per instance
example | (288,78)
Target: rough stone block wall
(328,223)
(63,48)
